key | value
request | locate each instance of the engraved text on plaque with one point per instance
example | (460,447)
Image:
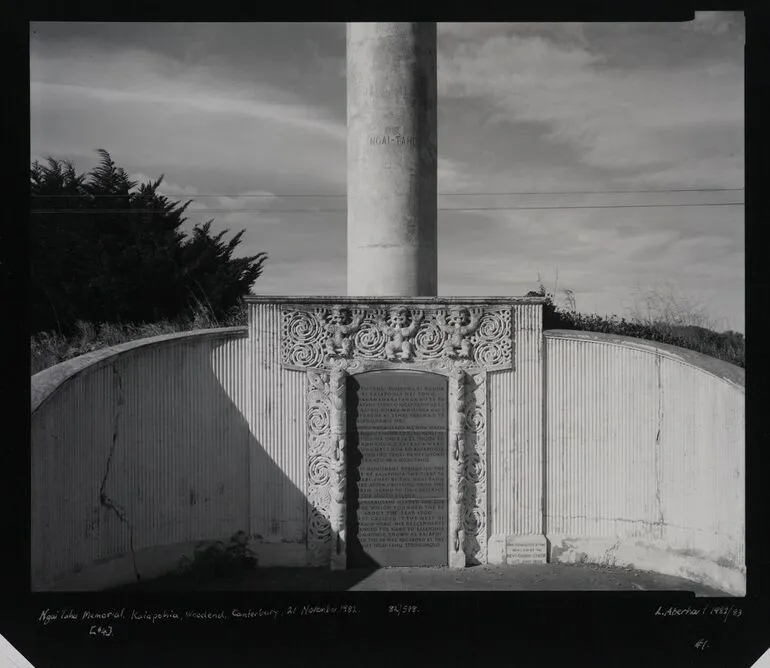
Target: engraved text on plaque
(398,478)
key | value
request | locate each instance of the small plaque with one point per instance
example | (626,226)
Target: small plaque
(526,550)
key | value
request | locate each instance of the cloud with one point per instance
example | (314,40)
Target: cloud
(167,114)
(166,187)
(186,101)
(251,199)
(615,118)
(230,112)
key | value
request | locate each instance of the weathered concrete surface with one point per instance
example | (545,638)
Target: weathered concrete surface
(724,370)
(704,569)
(524,577)
(645,451)
(392,163)
(48,381)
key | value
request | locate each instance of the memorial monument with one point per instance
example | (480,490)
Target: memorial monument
(391,426)
(397,379)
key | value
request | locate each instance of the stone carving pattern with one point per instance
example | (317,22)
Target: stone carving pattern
(430,338)
(457,423)
(312,336)
(338,477)
(475,470)
(321,452)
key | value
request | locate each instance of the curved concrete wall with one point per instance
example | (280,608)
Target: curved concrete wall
(644,457)
(137,447)
(623,451)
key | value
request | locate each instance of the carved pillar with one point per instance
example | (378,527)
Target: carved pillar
(456,460)
(338,470)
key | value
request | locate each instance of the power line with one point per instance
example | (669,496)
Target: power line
(479,208)
(467,194)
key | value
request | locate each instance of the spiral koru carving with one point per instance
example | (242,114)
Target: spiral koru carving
(475,421)
(370,340)
(489,354)
(319,527)
(475,524)
(475,468)
(318,469)
(302,334)
(429,341)
(494,325)
(318,421)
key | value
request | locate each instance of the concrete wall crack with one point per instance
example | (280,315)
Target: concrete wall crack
(657,453)
(104,499)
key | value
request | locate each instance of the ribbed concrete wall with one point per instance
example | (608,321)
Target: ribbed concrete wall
(279,446)
(645,447)
(140,445)
(515,446)
(616,449)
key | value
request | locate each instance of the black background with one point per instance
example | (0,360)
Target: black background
(468,629)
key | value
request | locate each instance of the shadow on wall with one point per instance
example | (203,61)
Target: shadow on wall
(141,451)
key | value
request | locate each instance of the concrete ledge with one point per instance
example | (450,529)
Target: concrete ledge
(316,299)
(47,381)
(716,367)
(655,557)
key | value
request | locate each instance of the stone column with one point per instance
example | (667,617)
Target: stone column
(392,168)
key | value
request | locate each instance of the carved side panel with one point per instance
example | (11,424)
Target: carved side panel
(475,469)
(338,477)
(457,424)
(321,451)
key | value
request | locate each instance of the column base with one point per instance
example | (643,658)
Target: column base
(339,555)
(457,559)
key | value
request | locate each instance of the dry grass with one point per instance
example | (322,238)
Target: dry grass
(50,348)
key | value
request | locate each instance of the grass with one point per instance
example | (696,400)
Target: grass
(50,348)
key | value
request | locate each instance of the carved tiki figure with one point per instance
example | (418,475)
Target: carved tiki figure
(338,477)
(340,324)
(457,533)
(456,457)
(401,325)
(459,324)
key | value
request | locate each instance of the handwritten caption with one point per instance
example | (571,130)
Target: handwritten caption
(725,612)
(102,623)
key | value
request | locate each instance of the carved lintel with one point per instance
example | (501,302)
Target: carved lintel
(424,337)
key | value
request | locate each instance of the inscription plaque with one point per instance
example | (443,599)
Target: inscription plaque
(397,431)
(526,550)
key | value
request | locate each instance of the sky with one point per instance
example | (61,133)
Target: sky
(536,123)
